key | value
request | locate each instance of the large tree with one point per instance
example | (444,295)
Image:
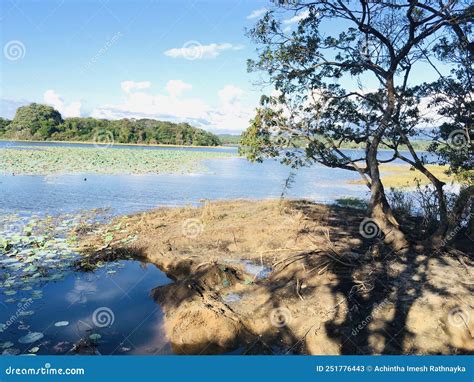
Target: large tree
(347,73)
(35,121)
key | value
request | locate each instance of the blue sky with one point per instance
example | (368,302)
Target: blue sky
(81,52)
(177,60)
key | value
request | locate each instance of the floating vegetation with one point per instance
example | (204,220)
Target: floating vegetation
(35,251)
(73,160)
(61,323)
(95,337)
(31,337)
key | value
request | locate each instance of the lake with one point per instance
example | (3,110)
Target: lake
(46,307)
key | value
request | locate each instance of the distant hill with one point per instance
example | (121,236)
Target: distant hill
(42,122)
(229,139)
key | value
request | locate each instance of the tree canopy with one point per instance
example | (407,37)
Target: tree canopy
(347,74)
(36,120)
(43,122)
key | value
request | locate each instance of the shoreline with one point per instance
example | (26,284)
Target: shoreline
(223,146)
(270,274)
(98,145)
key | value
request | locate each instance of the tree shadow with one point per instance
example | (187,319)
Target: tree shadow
(379,288)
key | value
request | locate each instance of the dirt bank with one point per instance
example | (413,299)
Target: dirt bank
(273,277)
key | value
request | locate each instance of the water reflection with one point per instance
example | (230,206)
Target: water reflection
(136,320)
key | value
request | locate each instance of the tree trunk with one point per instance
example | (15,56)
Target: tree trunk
(383,216)
(379,207)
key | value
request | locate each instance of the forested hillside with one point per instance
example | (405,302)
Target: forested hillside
(42,122)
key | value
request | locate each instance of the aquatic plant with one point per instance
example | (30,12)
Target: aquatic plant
(72,160)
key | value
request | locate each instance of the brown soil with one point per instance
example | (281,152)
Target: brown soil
(324,289)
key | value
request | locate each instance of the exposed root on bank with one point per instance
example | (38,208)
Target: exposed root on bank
(273,277)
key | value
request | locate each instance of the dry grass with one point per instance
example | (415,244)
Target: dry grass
(321,275)
(406,176)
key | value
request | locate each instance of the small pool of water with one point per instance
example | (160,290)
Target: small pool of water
(255,269)
(110,309)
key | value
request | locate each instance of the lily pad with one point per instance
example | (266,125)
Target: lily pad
(31,337)
(95,337)
(26,313)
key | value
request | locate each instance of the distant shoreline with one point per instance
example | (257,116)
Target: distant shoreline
(116,144)
(224,146)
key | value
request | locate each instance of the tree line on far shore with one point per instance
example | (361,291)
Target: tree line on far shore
(43,122)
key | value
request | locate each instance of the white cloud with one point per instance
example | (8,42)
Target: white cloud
(257,13)
(297,18)
(73,109)
(177,87)
(230,113)
(230,94)
(127,86)
(195,51)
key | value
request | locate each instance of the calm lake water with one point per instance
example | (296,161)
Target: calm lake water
(227,179)
(33,299)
